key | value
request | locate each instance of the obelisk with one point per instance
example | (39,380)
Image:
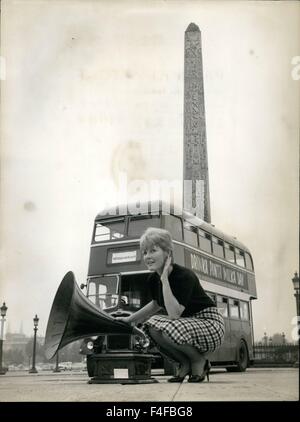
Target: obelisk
(195,162)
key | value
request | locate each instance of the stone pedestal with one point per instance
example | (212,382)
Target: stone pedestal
(120,368)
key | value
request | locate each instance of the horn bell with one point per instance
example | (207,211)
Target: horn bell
(73,317)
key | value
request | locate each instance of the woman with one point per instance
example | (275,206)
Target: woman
(192,325)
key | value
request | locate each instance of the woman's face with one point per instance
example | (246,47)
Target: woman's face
(154,258)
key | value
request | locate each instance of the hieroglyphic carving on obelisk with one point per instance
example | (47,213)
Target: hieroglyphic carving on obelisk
(195,164)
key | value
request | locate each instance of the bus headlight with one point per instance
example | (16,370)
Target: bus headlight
(90,345)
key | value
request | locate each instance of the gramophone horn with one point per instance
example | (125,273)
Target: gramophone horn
(73,316)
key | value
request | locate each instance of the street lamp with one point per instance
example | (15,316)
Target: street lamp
(295,281)
(35,323)
(56,369)
(3,313)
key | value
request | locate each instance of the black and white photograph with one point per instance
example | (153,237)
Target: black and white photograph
(149,203)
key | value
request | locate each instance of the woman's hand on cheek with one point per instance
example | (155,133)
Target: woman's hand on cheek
(165,273)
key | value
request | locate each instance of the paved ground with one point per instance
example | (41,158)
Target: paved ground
(256,384)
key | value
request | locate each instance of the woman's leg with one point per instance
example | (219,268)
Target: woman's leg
(196,359)
(175,354)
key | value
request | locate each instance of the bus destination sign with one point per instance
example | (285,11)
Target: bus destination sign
(123,255)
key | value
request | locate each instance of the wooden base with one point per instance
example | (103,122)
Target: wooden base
(96,380)
(120,368)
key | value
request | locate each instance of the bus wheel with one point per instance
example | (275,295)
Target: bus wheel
(242,359)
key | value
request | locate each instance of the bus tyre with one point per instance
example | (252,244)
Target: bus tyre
(242,358)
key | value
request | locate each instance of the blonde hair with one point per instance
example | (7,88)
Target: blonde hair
(160,237)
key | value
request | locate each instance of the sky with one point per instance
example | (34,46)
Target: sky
(93,90)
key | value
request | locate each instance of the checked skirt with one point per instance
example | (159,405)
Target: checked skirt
(204,330)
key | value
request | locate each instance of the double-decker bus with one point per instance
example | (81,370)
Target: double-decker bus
(117,275)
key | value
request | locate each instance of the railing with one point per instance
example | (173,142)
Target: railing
(276,353)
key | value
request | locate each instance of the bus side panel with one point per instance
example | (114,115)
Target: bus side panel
(247,335)
(97,260)
(251,285)
(227,350)
(235,335)
(224,352)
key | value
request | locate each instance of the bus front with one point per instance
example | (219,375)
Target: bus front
(117,275)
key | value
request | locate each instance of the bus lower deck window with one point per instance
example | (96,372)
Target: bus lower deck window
(244,310)
(222,304)
(234,308)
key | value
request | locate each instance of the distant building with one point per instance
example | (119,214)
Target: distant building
(18,341)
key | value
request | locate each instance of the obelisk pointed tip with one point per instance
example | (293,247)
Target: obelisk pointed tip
(192,27)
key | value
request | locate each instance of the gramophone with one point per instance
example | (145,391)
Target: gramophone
(74,317)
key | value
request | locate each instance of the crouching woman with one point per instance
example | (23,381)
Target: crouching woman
(181,319)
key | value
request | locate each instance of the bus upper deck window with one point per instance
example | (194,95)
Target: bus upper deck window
(240,257)
(109,230)
(249,263)
(229,253)
(174,226)
(204,241)
(218,248)
(138,224)
(190,234)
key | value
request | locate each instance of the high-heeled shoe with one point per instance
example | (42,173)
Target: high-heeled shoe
(179,378)
(176,379)
(205,374)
